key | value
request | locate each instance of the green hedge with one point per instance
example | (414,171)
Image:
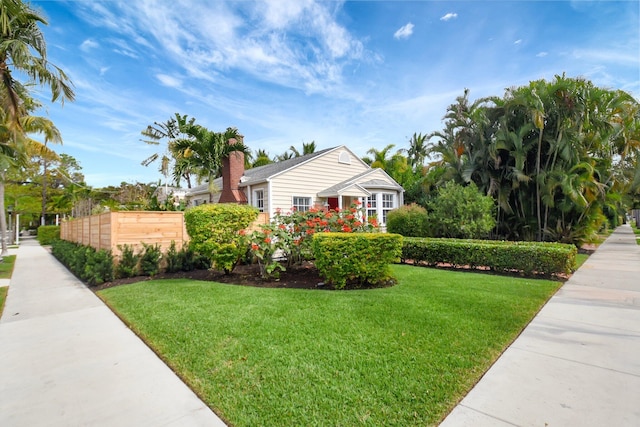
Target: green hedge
(48,233)
(215,232)
(356,258)
(527,257)
(91,266)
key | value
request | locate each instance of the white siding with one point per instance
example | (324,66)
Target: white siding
(312,177)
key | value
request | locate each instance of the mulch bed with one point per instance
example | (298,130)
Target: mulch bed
(303,276)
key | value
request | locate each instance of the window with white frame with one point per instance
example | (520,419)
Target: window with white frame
(372,205)
(301,204)
(258,200)
(388,203)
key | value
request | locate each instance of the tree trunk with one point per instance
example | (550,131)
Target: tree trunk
(44,191)
(538,207)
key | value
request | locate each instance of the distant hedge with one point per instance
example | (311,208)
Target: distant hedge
(527,257)
(48,233)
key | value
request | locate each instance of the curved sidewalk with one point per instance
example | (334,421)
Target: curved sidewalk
(578,362)
(67,360)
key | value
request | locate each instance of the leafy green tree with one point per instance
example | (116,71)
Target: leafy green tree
(461,212)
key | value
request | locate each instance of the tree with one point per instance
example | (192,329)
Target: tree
(261,158)
(206,150)
(23,50)
(172,160)
(417,151)
(307,148)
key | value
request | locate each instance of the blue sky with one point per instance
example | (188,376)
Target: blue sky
(360,73)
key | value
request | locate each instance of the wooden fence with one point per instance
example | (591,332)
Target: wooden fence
(111,229)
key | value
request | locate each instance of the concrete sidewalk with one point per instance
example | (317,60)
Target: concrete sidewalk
(578,361)
(67,360)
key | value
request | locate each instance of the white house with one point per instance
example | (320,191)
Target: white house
(333,178)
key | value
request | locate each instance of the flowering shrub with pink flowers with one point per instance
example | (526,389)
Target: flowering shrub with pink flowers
(290,234)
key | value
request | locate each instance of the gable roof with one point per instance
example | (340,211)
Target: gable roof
(364,185)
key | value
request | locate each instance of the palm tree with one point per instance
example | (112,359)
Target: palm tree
(172,160)
(23,49)
(380,159)
(418,150)
(307,148)
(15,150)
(261,158)
(206,150)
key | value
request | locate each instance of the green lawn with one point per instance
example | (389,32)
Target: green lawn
(3,297)
(397,356)
(6,266)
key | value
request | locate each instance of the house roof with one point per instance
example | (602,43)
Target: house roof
(262,173)
(343,186)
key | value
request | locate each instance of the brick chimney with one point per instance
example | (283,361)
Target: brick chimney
(232,171)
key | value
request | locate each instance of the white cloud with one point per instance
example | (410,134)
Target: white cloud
(449,16)
(542,54)
(169,81)
(88,45)
(404,32)
(519,41)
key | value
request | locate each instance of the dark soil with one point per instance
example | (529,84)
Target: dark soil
(304,276)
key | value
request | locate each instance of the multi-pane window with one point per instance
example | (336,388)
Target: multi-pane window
(388,203)
(372,205)
(258,200)
(301,204)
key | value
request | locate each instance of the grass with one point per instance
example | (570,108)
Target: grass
(3,296)
(397,356)
(580,259)
(6,266)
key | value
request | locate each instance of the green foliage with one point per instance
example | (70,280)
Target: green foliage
(128,265)
(527,257)
(215,231)
(290,235)
(150,259)
(461,212)
(356,258)
(559,157)
(91,266)
(48,233)
(409,220)
(174,259)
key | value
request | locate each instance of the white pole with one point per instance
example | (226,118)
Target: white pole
(17,229)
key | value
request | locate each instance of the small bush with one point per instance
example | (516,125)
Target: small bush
(99,267)
(174,259)
(128,263)
(409,221)
(356,258)
(150,259)
(48,233)
(527,257)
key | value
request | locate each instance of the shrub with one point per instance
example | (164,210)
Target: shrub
(128,263)
(527,257)
(48,233)
(461,212)
(215,232)
(99,267)
(150,259)
(410,220)
(358,258)
(174,259)
(91,266)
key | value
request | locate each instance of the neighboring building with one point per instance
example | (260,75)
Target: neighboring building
(178,195)
(332,178)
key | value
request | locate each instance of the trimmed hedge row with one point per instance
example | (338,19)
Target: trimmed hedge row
(91,266)
(527,257)
(48,233)
(356,258)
